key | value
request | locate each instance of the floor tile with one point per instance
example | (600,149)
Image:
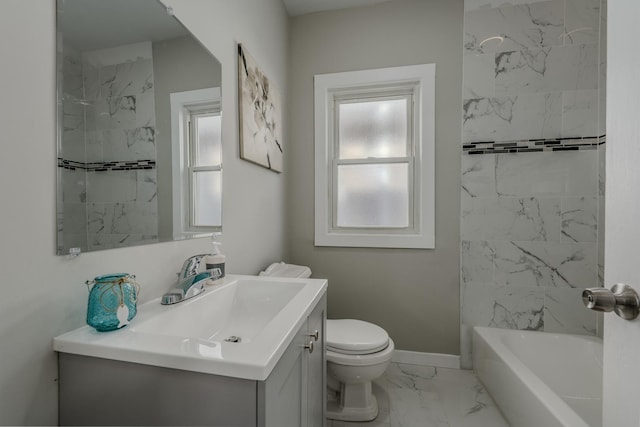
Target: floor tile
(424,396)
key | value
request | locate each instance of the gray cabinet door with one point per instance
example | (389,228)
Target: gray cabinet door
(282,397)
(294,395)
(96,391)
(316,367)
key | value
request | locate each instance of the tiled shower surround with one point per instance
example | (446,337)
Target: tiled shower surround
(533,164)
(71,209)
(113,149)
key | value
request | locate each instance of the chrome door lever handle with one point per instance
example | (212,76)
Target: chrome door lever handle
(622,299)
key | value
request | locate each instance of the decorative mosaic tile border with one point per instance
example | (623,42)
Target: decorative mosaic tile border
(534,145)
(107,166)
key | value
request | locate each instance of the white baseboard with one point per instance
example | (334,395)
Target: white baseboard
(426,359)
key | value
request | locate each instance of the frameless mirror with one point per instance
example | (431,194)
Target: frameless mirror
(139,130)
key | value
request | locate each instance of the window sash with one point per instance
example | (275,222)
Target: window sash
(412,223)
(193,155)
(367,95)
(193,200)
(355,97)
(193,145)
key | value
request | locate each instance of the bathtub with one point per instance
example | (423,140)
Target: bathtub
(541,379)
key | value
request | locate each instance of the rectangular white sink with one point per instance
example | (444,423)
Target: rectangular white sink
(261,314)
(242,309)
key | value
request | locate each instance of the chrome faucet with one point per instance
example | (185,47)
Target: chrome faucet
(190,282)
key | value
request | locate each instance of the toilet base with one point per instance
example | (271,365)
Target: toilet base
(356,403)
(335,412)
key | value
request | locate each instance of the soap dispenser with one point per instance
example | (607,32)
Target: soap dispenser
(215,261)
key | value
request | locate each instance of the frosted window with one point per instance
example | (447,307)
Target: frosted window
(208,140)
(207,197)
(372,129)
(374,157)
(373,195)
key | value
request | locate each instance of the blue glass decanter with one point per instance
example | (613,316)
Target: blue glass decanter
(112,301)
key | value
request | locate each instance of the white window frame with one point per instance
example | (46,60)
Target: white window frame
(328,87)
(183,104)
(340,97)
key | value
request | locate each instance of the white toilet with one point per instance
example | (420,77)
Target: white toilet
(357,352)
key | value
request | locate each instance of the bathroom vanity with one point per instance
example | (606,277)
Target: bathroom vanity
(249,352)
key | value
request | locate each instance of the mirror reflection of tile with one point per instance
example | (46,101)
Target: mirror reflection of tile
(114,125)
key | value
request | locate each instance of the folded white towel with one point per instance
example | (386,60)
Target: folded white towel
(280,269)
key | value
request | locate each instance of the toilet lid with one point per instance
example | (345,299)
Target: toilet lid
(350,336)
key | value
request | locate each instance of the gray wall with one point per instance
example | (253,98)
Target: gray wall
(413,294)
(43,295)
(178,65)
(253,197)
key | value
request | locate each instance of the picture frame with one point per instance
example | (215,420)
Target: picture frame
(260,114)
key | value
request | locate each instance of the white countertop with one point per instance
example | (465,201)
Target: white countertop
(265,312)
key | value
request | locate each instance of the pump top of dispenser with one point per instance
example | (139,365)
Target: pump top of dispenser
(215,241)
(215,262)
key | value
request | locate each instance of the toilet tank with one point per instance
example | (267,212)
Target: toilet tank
(281,269)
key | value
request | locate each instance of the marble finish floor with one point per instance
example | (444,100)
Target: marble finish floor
(423,396)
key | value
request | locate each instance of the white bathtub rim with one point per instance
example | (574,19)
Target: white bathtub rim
(546,396)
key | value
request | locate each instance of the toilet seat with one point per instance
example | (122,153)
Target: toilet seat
(376,358)
(355,337)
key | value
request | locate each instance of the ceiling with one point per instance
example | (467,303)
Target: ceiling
(98,24)
(301,7)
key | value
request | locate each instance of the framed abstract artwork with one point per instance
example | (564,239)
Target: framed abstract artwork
(260,115)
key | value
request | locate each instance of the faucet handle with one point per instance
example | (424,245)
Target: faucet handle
(171,298)
(190,266)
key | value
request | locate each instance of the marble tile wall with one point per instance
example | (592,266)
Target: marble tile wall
(121,110)
(121,204)
(71,206)
(121,208)
(531,222)
(108,152)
